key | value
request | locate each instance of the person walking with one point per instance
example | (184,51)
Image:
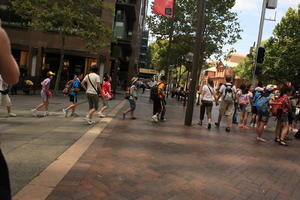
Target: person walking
(208,96)
(227,93)
(91,84)
(132,99)
(73,89)
(159,102)
(106,95)
(5,99)
(9,71)
(263,111)
(257,93)
(282,126)
(244,102)
(45,94)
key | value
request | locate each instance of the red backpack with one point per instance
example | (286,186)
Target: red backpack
(276,108)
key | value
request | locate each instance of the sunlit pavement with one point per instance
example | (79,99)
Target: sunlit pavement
(138,159)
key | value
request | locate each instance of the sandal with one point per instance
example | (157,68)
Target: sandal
(277,140)
(281,142)
(259,139)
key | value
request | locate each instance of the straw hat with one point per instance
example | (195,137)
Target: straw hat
(134,80)
(50,73)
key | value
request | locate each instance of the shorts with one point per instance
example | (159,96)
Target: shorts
(254,110)
(226,108)
(263,116)
(93,101)
(243,108)
(5,100)
(73,98)
(104,101)
(132,104)
(284,117)
(44,96)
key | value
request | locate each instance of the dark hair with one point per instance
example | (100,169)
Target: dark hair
(285,90)
(244,89)
(106,77)
(210,82)
(228,79)
(94,69)
(260,84)
(163,78)
(249,86)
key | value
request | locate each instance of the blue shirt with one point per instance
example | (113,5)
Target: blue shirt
(75,85)
(256,96)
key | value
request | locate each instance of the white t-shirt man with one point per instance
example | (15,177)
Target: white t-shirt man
(90,79)
(208,92)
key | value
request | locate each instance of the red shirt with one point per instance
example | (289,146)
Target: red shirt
(106,87)
(286,104)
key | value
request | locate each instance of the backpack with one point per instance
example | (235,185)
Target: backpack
(127,93)
(277,107)
(263,104)
(154,92)
(244,99)
(228,97)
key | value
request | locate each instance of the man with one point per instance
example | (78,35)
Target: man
(93,88)
(132,99)
(5,99)
(159,102)
(227,93)
(9,71)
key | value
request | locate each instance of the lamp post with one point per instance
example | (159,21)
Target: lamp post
(189,59)
(197,62)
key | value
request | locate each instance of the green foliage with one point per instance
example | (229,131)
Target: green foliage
(244,69)
(222,27)
(282,51)
(69,17)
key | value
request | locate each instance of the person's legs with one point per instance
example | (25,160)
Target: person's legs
(228,113)
(284,132)
(222,110)
(278,131)
(246,120)
(163,110)
(208,112)
(202,112)
(235,113)
(5,190)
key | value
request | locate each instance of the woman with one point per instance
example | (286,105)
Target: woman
(132,99)
(73,86)
(105,94)
(282,126)
(208,96)
(45,94)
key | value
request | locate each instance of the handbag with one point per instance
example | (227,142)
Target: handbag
(48,93)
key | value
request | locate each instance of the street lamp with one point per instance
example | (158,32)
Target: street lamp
(189,59)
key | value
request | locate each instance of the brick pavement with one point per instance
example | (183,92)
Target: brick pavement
(141,160)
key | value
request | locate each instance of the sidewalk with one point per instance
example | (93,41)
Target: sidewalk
(136,159)
(30,143)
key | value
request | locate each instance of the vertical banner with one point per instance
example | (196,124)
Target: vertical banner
(163,7)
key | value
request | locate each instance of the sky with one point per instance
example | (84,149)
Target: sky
(249,12)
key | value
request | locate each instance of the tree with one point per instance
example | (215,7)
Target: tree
(222,27)
(69,17)
(282,58)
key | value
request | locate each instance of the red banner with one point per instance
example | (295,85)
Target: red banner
(163,7)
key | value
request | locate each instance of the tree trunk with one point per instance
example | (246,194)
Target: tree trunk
(61,63)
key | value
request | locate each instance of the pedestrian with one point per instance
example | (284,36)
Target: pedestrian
(244,102)
(227,93)
(106,95)
(5,99)
(159,102)
(45,94)
(257,93)
(132,98)
(72,88)
(9,71)
(263,111)
(91,84)
(207,98)
(282,126)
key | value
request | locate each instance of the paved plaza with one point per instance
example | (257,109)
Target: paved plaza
(138,159)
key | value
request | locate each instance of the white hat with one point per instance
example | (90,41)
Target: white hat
(259,89)
(270,88)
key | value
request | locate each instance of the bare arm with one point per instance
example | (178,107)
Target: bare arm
(83,84)
(8,66)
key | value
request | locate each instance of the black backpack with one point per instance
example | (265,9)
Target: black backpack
(154,92)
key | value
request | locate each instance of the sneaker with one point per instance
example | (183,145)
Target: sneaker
(86,118)
(209,126)
(154,118)
(259,139)
(34,112)
(46,114)
(65,111)
(217,125)
(12,115)
(101,115)
(227,129)
(200,123)
(133,118)
(90,122)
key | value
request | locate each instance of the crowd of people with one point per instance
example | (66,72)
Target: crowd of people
(260,102)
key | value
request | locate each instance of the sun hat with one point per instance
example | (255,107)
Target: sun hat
(134,80)
(50,73)
(270,88)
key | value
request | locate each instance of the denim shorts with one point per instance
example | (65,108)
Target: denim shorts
(132,104)
(263,116)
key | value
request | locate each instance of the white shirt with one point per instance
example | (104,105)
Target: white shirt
(208,92)
(95,79)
